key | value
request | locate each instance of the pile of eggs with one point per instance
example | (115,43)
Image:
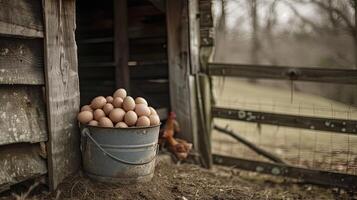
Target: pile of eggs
(119,111)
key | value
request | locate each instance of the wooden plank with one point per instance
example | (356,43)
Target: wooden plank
(159,4)
(152,86)
(21,18)
(206,37)
(344,76)
(22,115)
(305,122)
(178,56)
(121,44)
(205,9)
(19,57)
(20,162)
(62,89)
(159,71)
(313,176)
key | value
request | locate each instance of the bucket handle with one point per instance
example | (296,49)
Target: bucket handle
(85,131)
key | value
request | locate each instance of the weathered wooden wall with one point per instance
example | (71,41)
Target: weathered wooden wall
(22,110)
(62,89)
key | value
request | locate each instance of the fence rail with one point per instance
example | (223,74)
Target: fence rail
(308,175)
(312,123)
(343,76)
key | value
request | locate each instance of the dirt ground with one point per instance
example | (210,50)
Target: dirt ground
(187,181)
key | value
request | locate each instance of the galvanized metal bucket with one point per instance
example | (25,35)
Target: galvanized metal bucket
(119,155)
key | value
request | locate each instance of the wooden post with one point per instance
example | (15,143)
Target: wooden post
(62,89)
(121,44)
(179,68)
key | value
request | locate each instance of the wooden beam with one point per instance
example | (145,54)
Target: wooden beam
(62,89)
(343,76)
(121,44)
(21,18)
(312,123)
(313,176)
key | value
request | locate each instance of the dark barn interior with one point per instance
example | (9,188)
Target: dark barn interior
(99,61)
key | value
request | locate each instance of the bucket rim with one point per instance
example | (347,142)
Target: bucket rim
(116,128)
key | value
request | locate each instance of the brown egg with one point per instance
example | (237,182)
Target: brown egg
(128,103)
(85,116)
(109,99)
(120,93)
(130,118)
(142,110)
(154,120)
(93,123)
(121,125)
(98,102)
(117,102)
(98,113)
(86,108)
(105,122)
(140,100)
(117,115)
(143,121)
(107,108)
(152,111)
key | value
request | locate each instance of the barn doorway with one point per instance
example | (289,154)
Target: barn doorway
(101,51)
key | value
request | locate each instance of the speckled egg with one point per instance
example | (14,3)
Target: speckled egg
(130,118)
(98,102)
(98,113)
(154,120)
(142,110)
(107,108)
(128,103)
(117,102)
(121,125)
(85,116)
(86,108)
(120,93)
(93,123)
(143,121)
(109,99)
(140,100)
(105,122)
(117,115)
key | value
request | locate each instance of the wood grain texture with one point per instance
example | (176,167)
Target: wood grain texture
(179,69)
(319,177)
(121,44)
(21,18)
(296,121)
(344,76)
(21,61)
(204,86)
(20,162)
(62,89)
(22,115)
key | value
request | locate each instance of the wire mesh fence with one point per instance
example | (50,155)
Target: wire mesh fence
(301,147)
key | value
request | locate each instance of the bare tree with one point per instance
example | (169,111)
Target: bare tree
(255,26)
(339,17)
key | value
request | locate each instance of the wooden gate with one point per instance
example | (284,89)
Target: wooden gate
(201,21)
